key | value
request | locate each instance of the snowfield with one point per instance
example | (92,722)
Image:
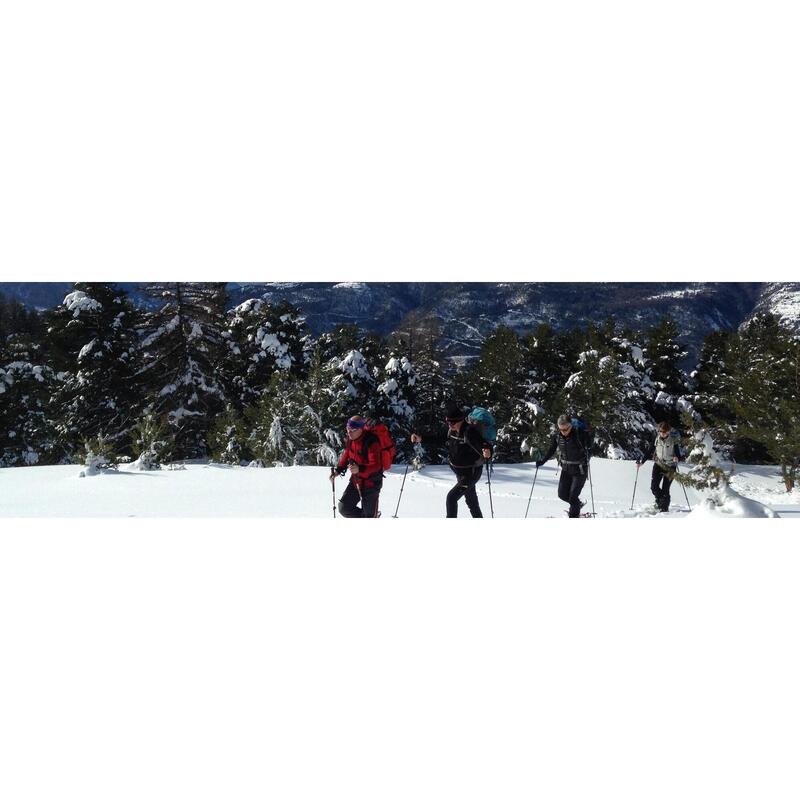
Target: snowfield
(216,490)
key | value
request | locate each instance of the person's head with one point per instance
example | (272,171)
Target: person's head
(564,425)
(355,427)
(454,416)
(664,429)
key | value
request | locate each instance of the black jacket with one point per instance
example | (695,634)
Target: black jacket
(573,450)
(465,448)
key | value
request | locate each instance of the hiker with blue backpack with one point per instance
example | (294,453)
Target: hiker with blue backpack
(469,445)
(573,441)
(664,451)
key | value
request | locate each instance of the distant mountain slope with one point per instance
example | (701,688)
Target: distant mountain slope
(470,311)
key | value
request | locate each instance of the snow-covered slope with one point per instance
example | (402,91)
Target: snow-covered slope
(782,300)
(209,490)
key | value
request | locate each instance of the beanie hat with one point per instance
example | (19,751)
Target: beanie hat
(453,412)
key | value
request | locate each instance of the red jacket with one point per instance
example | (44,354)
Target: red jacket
(366,452)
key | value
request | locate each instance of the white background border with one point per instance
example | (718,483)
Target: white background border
(428,141)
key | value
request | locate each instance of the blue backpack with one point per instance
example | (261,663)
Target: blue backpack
(484,422)
(680,450)
(586,429)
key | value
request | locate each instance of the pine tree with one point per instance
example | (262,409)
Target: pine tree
(352,387)
(595,393)
(531,421)
(153,441)
(260,340)
(228,439)
(767,400)
(663,358)
(182,349)
(713,387)
(636,426)
(705,471)
(27,436)
(396,403)
(433,386)
(286,429)
(93,343)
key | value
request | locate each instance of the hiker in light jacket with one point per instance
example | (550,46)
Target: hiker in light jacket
(664,452)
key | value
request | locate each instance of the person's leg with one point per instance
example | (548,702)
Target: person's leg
(453,496)
(348,502)
(369,502)
(564,485)
(665,491)
(576,486)
(471,496)
(655,484)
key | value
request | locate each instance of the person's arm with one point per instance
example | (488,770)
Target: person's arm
(550,451)
(341,467)
(647,454)
(475,441)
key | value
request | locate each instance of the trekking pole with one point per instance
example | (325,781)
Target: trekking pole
(634,487)
(333,492)
(489,472)
(394,516)
(531,494)
(591,488)
(684,489)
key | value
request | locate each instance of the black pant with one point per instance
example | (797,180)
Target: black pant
(348,502)
(465,487)
(659,485)
(570,485)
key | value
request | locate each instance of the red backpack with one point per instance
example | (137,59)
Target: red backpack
(388,448)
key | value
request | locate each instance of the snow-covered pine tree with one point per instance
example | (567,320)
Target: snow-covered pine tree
(524,435)
(182,348)
(595,393)
(228,439)
(27,436)
(97,454)
(491,381)
(767,400)
(432,387)
(324,429)
(636,425)
(93,342)
(261,339)
(396,403)
(352,387)
(713,388)
(285,428)
(664,354)
(153,441)
(705,472)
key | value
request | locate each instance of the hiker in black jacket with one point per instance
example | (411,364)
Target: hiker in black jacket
(574,445)
(467,452)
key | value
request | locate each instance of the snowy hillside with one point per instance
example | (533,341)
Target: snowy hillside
(471,311)
(212,490)
(782,300)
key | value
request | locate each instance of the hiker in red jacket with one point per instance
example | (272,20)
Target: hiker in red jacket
(362,457)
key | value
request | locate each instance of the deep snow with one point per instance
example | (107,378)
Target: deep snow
(214,490)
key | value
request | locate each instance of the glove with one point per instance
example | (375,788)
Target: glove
(638,464)
(539,464)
